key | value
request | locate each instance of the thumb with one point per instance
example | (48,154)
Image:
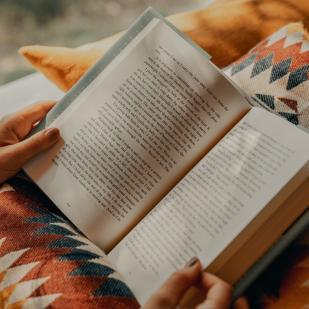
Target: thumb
(172,291)
(28,148)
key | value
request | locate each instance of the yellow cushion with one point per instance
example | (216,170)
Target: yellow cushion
(226,31)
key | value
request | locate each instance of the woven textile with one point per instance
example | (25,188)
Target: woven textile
(275,73)
(46,262)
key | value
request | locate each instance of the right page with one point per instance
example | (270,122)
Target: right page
(215,201)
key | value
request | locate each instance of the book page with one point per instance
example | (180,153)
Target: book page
(129,136)
(214,202)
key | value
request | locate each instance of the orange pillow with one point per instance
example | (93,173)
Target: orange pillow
(226,31)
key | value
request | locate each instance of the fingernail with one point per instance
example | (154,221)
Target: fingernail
(52,134)
(191,262)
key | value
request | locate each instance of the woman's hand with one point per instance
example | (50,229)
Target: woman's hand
(218,294)
(15,151)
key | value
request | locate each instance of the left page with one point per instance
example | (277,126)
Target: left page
(134,132)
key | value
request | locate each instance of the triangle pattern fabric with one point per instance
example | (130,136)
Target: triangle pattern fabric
(279,70)
(242,65)
(304,47)
(79,254)
(277,36)
(292,104)
(297,77)
(114,287)
(262,65)
(290,117)
(295,38)
(92,269)
(40,301)
(15,291)
(275,74)
(267,99)
(53,265)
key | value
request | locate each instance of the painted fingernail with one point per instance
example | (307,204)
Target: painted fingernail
(191,262)
(52,134)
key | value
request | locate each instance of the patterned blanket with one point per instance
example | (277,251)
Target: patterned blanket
(46,262)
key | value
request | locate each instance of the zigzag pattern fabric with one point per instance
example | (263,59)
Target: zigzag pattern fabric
(275,74)
(46,262)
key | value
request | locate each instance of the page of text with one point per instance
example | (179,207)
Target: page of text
(134,132)
(214,202)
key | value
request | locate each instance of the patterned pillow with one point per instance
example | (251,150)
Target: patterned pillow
(275,73)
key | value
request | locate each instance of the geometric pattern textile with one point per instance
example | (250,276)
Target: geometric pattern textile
(275,74)
(46,262)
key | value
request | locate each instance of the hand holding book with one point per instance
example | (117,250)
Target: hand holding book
(15,149)
(215,293)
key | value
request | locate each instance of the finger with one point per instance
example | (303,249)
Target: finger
(23,151)
(37,111)
(218,292)
(22,122)
(171,292)
(241,303)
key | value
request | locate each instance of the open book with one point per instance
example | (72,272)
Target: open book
(163,159)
